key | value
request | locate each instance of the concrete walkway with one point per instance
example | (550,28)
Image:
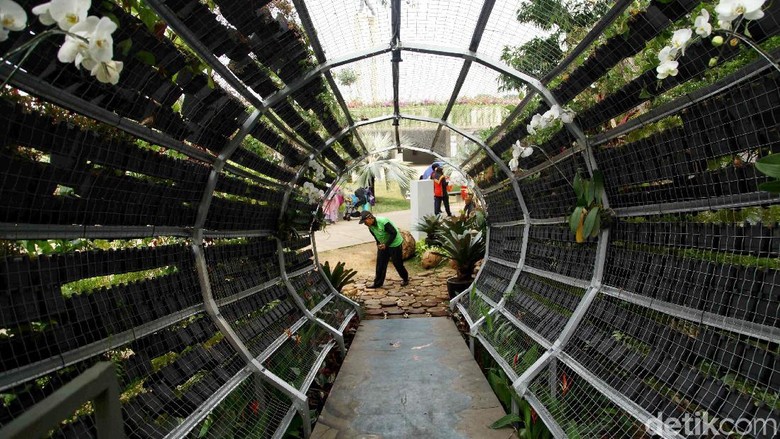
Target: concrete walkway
(410,379)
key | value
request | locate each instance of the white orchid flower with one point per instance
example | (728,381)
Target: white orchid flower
(724,24)
(513,164)
(680,39)
(667,68)
(516,147)
(101,45)
(12,17)
(42,11)
(567,116)
(76,49)
(536,124)
(551,115)
(667,54)
(702,24)
(728,10)
(105,72)
(66,13)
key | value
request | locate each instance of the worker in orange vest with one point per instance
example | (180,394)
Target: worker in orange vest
(440,190)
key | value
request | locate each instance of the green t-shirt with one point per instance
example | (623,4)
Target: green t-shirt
(378,230)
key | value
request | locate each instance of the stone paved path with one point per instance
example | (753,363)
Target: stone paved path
(425,296)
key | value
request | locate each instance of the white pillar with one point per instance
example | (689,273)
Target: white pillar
(421,203)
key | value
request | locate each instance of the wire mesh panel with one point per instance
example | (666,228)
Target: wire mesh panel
(254,409)
(516,348)
(542,304)
(298,254)
(261,318)
(60,172)
(311,287)
(238,265)
(335,312)
(708,153)
(724,268)
(504,205)
(672,366)
(506,243)
(55,303)
(474,305)
(299,355)
(579,408)
(552,248)
(549,193)
(494,280)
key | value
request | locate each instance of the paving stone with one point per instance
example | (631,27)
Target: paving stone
(416,311)
(394,311)
(372,306)
(374,312)
(439,312)
(388,302)
(430,303)
(396,294)
(417,305)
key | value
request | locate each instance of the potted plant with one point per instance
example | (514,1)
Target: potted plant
(465,249)
(431,225)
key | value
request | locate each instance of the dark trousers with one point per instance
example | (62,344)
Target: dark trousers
(383,257)
(437,204)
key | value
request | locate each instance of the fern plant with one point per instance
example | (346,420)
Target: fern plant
(338,277)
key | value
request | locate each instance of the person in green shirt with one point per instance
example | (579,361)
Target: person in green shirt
(388,243)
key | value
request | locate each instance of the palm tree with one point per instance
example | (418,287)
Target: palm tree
(379,166)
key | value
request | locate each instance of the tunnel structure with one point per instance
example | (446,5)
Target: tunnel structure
(669,308)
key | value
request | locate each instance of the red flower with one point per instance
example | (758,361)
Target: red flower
(565,383)
(534,415)
(254,406)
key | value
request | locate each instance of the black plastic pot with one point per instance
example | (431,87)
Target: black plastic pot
(455,286)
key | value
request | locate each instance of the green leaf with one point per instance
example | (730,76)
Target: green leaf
(579,189)
(596,227)
(574,219)
(148,17)
(146,57)
(590,195)
(644,94)
(506,421)
(124,46)
(770,186)
(598,182)
(769,165)
(590,221)
(500,387)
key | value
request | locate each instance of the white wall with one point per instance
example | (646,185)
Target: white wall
(421,204)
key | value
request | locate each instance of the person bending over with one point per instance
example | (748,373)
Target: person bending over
(388,243)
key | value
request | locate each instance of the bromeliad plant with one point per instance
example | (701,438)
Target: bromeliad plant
(88,42)
(464,249)
(431,225)
(589,215)
(338,277)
